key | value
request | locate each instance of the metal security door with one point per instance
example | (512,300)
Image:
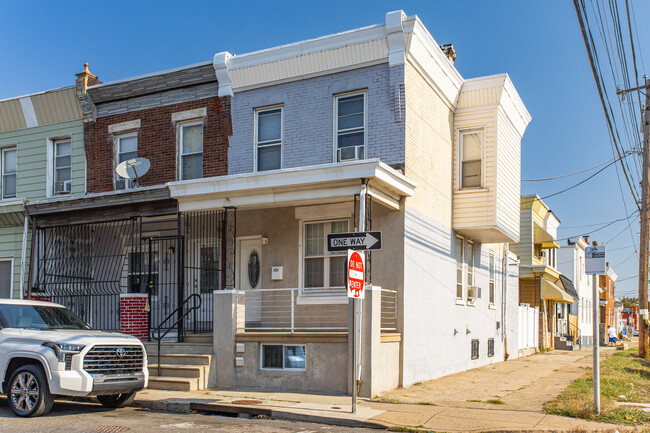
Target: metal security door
(164,270)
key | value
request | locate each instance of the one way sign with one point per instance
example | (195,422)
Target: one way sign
(354,241)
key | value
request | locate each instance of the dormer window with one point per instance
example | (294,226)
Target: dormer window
(471,157)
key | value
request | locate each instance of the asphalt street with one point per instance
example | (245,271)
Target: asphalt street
(68,417)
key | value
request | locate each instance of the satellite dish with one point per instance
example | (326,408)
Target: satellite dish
(133,168)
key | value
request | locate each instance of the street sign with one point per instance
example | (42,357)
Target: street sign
(356,274)
(595,263)
(354,241)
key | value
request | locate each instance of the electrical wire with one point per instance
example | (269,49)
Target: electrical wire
(568,174)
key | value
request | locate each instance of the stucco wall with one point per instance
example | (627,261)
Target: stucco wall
(308,116)
(438,332)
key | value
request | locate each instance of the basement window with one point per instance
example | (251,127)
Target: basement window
(475,349)
(283,357)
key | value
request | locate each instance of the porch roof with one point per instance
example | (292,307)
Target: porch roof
(554,292)
(301,185)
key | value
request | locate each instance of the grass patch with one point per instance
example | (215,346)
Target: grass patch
(417,383)
(426,403)
(410,430)
(495,401)
(387,400)
(623,377)
(474,401)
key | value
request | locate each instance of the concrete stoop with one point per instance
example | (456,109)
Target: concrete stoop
(561,343)
(186,366)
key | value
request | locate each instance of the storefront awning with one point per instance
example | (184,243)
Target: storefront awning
(316,184)
(554,292)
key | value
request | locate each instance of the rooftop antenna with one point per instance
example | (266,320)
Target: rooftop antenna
(133,169)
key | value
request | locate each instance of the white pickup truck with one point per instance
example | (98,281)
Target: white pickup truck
(47,351)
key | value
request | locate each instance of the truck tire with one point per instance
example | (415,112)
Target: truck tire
(28,393)
(115,401)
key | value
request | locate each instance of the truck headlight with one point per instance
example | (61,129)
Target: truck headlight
(62,349)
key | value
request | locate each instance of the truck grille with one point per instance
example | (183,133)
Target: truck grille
(107,360)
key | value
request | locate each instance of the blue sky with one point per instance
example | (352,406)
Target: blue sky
(43,44)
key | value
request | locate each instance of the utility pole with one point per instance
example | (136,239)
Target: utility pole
(643,255)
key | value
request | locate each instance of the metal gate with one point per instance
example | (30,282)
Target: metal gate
(86,267)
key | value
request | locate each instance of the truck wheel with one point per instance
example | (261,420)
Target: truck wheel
(115,401)
(28,392)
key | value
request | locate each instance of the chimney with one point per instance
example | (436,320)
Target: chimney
(449,51)
(586,239)
(84,80)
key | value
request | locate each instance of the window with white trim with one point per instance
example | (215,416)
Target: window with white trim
(191,151)
(323,272)
(350,126)
(492,274)
(9,168)
(62,167)
(126,148)
(459,268)
(283,357)
(268,139)
(471,158)
(469,267)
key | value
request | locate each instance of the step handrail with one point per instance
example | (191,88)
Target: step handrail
(195,306)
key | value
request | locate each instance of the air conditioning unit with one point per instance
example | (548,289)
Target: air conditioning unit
(62,187)
(473,293)
(350,153)
(121,184)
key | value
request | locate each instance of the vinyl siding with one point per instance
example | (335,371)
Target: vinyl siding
(524,248)
(32,144)
(508,171)
(11,246)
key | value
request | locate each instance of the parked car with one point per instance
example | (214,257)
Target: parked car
(47,351)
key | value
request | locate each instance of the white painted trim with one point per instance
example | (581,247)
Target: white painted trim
(220,65)
(124,126)
(238,241)
(257,111)
(50,164)
(28,112)
(11,202)
(326,211)
(23,258)
(395,36)
(2,171)
(116,155)
(197,113)
(179,146)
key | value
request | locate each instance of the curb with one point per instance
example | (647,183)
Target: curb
(183,406)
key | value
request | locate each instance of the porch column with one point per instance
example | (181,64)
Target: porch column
(371,344)
(225,329)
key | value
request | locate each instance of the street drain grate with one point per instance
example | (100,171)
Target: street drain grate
(246,402)
(105,429)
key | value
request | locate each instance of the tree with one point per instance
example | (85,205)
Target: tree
(629,301)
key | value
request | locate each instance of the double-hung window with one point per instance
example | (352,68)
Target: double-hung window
(471,157)
(469,266)
(465,288)
(323,272)
(62,167)
(191,150)
(268,139)
(350,126)
(9,168)
(127,149)
(459,268)
(492,279)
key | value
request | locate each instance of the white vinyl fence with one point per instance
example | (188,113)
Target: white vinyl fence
(528,334)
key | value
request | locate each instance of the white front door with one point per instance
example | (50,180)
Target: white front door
(250,276)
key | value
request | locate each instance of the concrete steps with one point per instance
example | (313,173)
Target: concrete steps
(561,343)
(186,366)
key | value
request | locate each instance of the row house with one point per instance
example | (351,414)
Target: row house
(254,160)
(41,156)
(571,263)
(606,288)
(541,284)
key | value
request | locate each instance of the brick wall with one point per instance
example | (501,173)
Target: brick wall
(134,317)
(157,141)
(309,118)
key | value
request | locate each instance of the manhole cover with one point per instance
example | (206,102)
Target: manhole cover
(246,402)
(105,429)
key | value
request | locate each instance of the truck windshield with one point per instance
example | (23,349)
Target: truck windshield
(40,317)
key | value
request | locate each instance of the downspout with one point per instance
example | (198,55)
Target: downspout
(23,258)
(504,279)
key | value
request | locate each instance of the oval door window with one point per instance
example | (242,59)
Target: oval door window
(253,269)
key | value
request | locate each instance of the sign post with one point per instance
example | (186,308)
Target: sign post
(596,264)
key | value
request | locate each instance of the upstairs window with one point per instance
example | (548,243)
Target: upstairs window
(127,148)
(492,279)
(268,139)
(191,151)
(350,125)
(471,152)
(9,166)
(62,167)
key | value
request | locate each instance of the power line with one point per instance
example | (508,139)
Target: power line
(567,175)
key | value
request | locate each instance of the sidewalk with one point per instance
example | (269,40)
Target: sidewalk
(517,388)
